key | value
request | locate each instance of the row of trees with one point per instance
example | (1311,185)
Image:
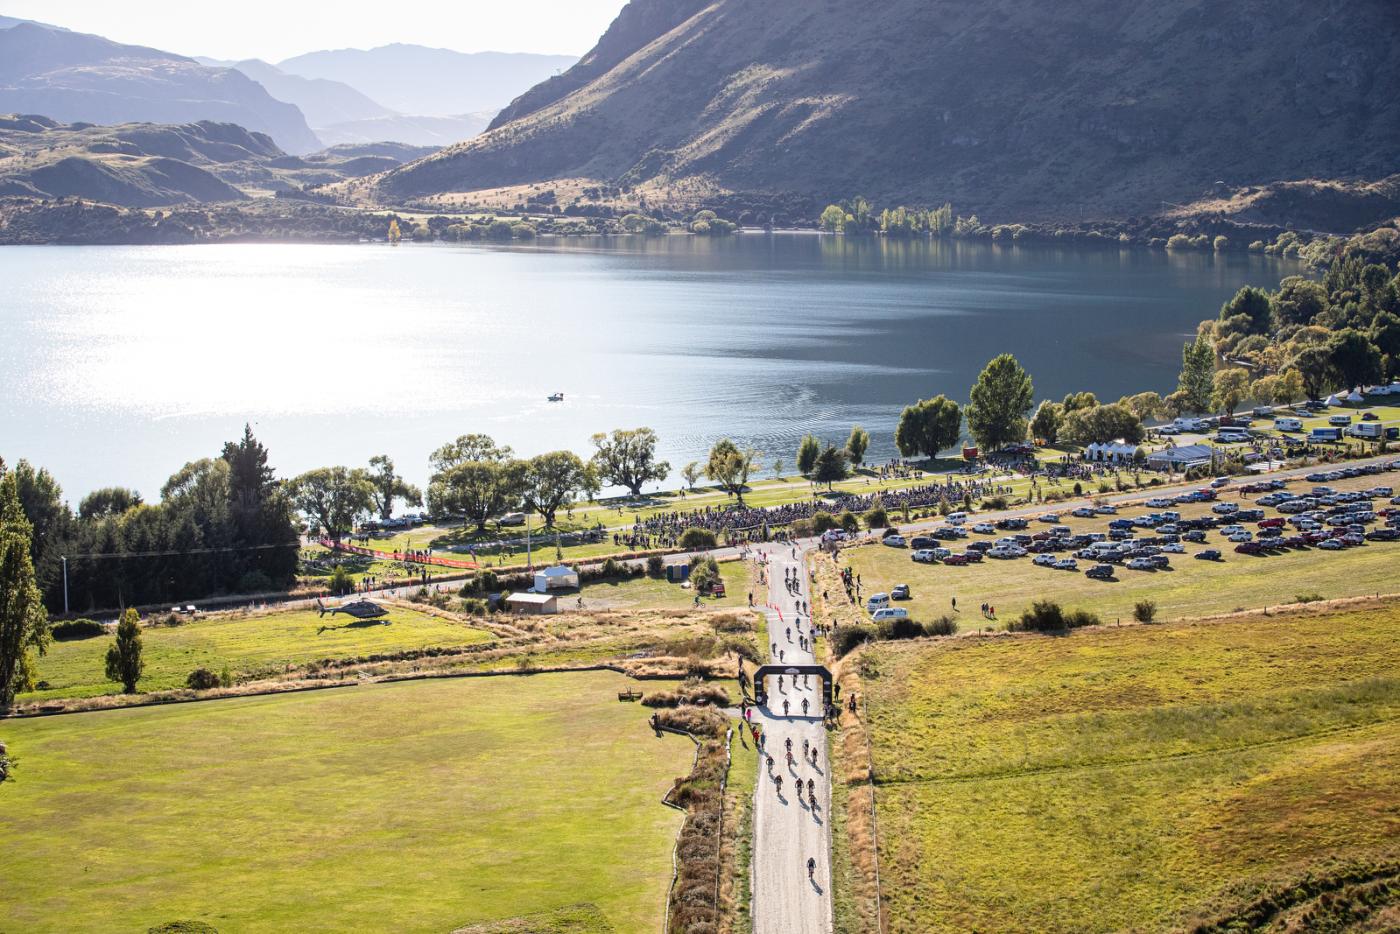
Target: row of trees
(857,216)
(223,524)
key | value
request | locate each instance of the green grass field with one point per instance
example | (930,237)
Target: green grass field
(247,644)
(1131,778)
(656,593)
(419,806)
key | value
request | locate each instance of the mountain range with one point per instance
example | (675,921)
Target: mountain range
(72,77)
(436,96)
(1015,109)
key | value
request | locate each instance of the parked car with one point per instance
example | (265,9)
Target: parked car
(984,528)
(899,592)
(1043,560)
(889,612)
(1101,572)
(1250,548)
(1141,564)
(972,555)
(1085,512)
(894,541)
(1067,564)
(922,541)
(923,556)
(1331,544)
(1175,548)
(1209,554)
(956,560)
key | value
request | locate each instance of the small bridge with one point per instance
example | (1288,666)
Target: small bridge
(760,680)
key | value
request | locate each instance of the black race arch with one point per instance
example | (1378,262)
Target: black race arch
(760,680)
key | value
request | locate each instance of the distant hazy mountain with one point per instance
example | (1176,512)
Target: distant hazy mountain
(414,79)
(1018,110)
(435,132)
(72,76)
(147,165)
(321,101)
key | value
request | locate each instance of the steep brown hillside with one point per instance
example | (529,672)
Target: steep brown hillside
(1016,109)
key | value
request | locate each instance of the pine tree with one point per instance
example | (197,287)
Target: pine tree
(1197,380)
(23,622)
(124,661)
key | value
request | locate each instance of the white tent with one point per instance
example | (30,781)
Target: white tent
(1355,396)
(1332,400)
(1112,452)
(558,577)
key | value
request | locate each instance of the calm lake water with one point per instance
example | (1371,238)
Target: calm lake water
(119,364)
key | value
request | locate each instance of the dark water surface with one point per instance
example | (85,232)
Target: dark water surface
(118,364)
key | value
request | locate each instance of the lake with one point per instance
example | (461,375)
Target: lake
(119,364)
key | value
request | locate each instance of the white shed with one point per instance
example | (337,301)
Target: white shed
(533,604)
(1180,458)
(558,577)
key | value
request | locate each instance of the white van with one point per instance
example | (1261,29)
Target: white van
(956,518)
(877,601)
(1288,424)
(890,612)
(1339,420)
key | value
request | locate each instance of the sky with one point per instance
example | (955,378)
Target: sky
(274,30)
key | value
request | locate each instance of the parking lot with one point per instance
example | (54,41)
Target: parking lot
(1209,550)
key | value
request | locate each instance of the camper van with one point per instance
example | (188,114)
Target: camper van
(1339,421)
(1288,424)
(1188,424)
(877,601)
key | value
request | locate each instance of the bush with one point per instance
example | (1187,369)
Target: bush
(943,626)
(255,582)
(906,628)
(823,522)
(847,638)
(704,573)
(876,518)
(77,629)
(474,606)
(1297,598)
(1145,611)
(697,539)
(702,695)
(994,502)
(340,583)
(850,523)
(1048,616)
(202,679)
(800,528)
(656,567)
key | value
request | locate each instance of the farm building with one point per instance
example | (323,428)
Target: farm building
(532,604)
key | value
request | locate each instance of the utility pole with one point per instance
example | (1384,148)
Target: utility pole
(64,559)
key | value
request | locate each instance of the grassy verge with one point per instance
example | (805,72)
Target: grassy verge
(437,804)
(247,644)
(656,593)
(1135,777)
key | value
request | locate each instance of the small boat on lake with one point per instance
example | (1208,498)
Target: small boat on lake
(556,397)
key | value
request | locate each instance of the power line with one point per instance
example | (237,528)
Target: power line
(189,551)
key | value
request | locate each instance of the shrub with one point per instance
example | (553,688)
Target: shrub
(876,518)
(340,583)
(474,606)
(702,695)
(255,582)
(77,629)
(943,626)
(823,522)
(1048,616)
(847,638)
(655,566)
(800,528)
(1145,611)
(697,539)
(704,573)
(1297,598)
(849,522)
(994,502)
(611,568)
(905,628)
(202,679)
